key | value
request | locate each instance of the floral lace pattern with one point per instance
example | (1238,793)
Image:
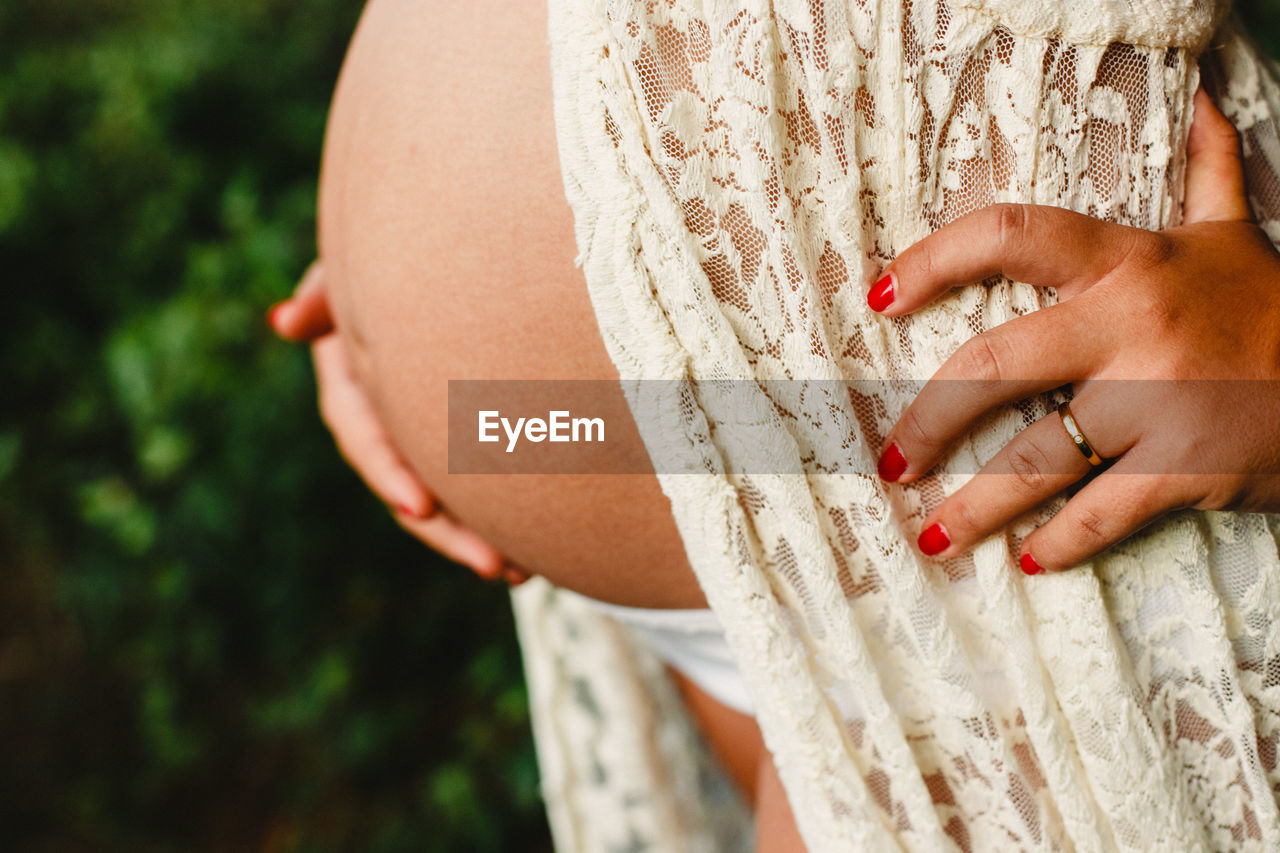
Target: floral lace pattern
(738,172)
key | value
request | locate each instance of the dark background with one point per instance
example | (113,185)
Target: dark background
(212,637)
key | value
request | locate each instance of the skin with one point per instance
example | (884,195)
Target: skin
(1199,303)
(447,252)
(401,236)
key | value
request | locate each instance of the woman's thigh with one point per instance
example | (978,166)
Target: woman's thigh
(449,248)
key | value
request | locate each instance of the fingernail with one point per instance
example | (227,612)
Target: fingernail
(406,510)
(273,315)
(892,464)
(1029,565)
(880,296)
(934,540)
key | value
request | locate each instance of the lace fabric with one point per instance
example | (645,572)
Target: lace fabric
(738,172)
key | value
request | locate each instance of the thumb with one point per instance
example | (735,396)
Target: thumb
(304,316)
(1215,174)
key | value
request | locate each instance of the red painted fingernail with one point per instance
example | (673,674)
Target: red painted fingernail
(892,464)
(880,296)
(1029,565)
(404,509)
(934,540)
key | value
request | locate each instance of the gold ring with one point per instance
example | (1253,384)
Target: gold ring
(1077,437)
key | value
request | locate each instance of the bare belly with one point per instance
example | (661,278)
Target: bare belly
(449,251)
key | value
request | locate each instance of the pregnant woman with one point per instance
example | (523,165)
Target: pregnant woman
(799,194)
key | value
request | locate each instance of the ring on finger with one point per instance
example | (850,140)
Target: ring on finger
(1077,436)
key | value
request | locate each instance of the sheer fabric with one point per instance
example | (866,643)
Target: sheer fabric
(738,172)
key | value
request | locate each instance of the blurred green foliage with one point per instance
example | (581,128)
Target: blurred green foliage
(1262,22)
(211,635)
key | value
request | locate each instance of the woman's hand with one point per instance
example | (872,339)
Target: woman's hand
(364,443)
(1199,304)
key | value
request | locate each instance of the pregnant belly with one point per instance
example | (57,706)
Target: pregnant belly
(449,251)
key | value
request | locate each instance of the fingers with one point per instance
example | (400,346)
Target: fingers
(1071,252)
(1114,506)
(1031,469)
(358,432)
(1044,246)
(1037,352)
(455,541)
(1053,247)
(1037,464)
(305,316)
(1215,188)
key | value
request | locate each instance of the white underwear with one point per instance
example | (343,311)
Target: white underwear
(692,642)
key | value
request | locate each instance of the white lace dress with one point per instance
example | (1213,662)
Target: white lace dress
(739,171)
